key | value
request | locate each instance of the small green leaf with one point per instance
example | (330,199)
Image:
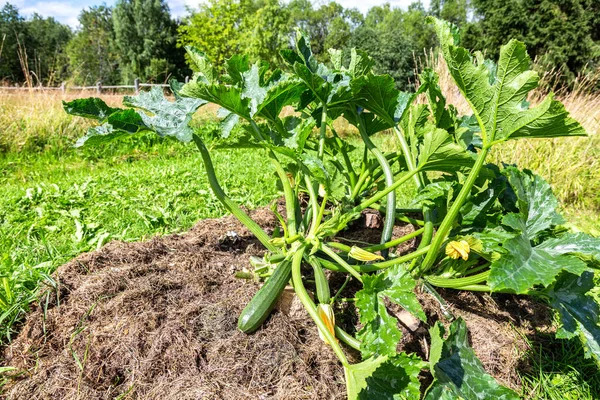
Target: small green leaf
(440,153)
(457,371)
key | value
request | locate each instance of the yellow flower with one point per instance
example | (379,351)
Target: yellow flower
(363,255)
(458,250)
(326,314)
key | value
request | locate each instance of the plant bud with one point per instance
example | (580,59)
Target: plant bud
(363,255)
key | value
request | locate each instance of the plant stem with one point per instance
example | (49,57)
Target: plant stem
(454,283)
(449,219)
(337,294)
(390,215)
(341,261)
(396,242)
(401,218)
(231,206)
(379,195)
(419,181)
(323,132)
(290,199)
(347,338)
(349,167)
(312,195)
(394,261)
(310,306)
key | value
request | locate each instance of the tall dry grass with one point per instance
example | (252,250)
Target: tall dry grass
(35,121)
(571,165)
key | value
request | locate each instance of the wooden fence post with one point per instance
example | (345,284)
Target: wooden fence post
(63,87)
(136,84)
(99,87)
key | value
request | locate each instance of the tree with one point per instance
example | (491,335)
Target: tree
(92,54)
(46,44)
(12,34)
(267,31)
(561,34)
(394,38)
(146,39)
(216,28)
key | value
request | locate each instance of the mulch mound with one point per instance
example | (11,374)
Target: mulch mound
(157,320)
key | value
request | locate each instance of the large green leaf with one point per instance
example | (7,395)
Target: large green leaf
(457,371)
(535,201)
(523,266)
(228,97)
(384,378)
(525,262)
(91,107)
(496,94)
(440,153)
(378,94)
(578,312)
(284,92)
(205,72)
(166,118)
(157,114)
(380,334)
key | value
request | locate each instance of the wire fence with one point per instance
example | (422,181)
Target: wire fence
(98,87)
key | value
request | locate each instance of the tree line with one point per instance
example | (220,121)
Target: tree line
(140,38)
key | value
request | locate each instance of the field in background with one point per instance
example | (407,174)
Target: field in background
(57,201)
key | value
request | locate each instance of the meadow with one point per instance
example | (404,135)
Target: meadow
(57,202)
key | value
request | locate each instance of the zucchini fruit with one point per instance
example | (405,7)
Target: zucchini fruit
(261,305)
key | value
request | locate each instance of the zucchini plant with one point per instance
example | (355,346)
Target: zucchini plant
(484,227)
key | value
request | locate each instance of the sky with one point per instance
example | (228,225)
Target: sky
(66,11)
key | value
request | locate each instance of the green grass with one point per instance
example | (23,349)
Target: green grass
(559,371)
(54,207)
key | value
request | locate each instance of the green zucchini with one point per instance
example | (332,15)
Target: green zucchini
(261,305)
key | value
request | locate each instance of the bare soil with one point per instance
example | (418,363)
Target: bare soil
(157,320)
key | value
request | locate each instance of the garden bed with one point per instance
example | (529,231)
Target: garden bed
(157,320)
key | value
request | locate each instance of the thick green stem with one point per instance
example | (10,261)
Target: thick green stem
(312,195)
(394,261)
(446,224)
(310,306)
(323,132)
(419,181)
(347,338)
(341,261)
(381,194)
(396,242)
(349,167)
(231,206)
(390,215)
(288,192)
(400,218)
(453,283)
